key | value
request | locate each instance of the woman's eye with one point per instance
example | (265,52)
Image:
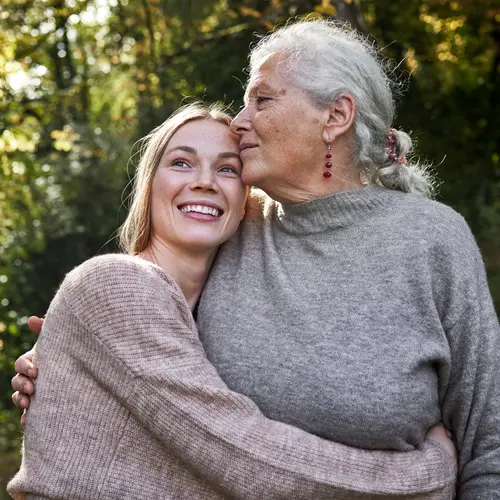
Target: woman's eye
(229,169)
(261,99)
(180,164)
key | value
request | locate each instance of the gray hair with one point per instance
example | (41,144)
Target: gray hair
(327,59)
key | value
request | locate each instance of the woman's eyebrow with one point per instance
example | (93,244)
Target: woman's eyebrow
(265,86)
(256,87)
(229,154)
(187,149)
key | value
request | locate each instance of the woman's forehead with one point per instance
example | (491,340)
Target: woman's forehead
(203,130)
(201,126)
(267,76)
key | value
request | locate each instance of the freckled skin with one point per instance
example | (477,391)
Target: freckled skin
(287,128)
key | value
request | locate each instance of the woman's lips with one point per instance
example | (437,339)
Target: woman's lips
(200,217)
(201,211)
(247,147)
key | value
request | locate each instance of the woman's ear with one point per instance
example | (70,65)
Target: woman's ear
(338,117)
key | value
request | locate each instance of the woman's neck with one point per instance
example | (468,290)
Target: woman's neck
(188,268)
(309,189)
(309,184)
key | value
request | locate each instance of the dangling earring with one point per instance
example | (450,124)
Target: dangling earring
(328,165)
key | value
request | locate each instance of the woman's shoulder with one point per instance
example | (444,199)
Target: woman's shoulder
(111,272)
(113,266)
(433,209)
(441,226)
(117,283)
(111,262)
(439,219)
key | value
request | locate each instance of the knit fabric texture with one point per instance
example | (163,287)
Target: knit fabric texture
(127,406)
(363,317)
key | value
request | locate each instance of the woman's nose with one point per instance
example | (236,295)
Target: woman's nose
(241,122)
(204,180)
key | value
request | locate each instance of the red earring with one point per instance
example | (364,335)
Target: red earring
(328,165)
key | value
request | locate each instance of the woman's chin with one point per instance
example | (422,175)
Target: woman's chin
(202,242)
(253,175)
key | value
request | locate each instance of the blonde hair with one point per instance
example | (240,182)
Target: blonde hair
(135,233)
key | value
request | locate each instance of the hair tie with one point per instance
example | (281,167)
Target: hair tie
(390,149)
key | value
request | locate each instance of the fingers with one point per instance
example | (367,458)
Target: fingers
(23,385)
(439,426)
(21,400)
(24,365)
(437,432)
(35,324)
(440,434)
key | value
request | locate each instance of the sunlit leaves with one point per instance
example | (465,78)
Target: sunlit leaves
(326,8)
(247,11)
(64,139)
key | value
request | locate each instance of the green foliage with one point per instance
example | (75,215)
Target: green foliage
(82,80)
(9,463)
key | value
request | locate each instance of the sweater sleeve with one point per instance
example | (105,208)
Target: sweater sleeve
(136,319)
(471,404)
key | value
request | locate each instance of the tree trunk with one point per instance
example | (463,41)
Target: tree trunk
(351,12)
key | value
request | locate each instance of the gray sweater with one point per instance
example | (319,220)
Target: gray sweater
(127,406)
(363,317)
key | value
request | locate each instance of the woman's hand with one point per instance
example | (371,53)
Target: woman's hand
(26,372)
(440,434)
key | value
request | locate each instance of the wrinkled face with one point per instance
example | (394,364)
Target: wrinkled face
(280,130)
(197,195)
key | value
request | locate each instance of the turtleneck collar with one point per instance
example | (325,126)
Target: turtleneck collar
(335,210)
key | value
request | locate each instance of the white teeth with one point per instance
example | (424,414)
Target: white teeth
(201,209)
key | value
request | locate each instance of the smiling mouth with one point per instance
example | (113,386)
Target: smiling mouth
(201,209)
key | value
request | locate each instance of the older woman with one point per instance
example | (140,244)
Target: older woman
(348,304)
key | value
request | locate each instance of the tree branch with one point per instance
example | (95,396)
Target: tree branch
(150,28)
(224,35)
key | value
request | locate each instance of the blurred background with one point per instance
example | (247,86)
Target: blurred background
(82,80)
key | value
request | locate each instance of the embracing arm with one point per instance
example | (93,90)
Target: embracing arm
(471,404)
(137,325)
(26,372)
